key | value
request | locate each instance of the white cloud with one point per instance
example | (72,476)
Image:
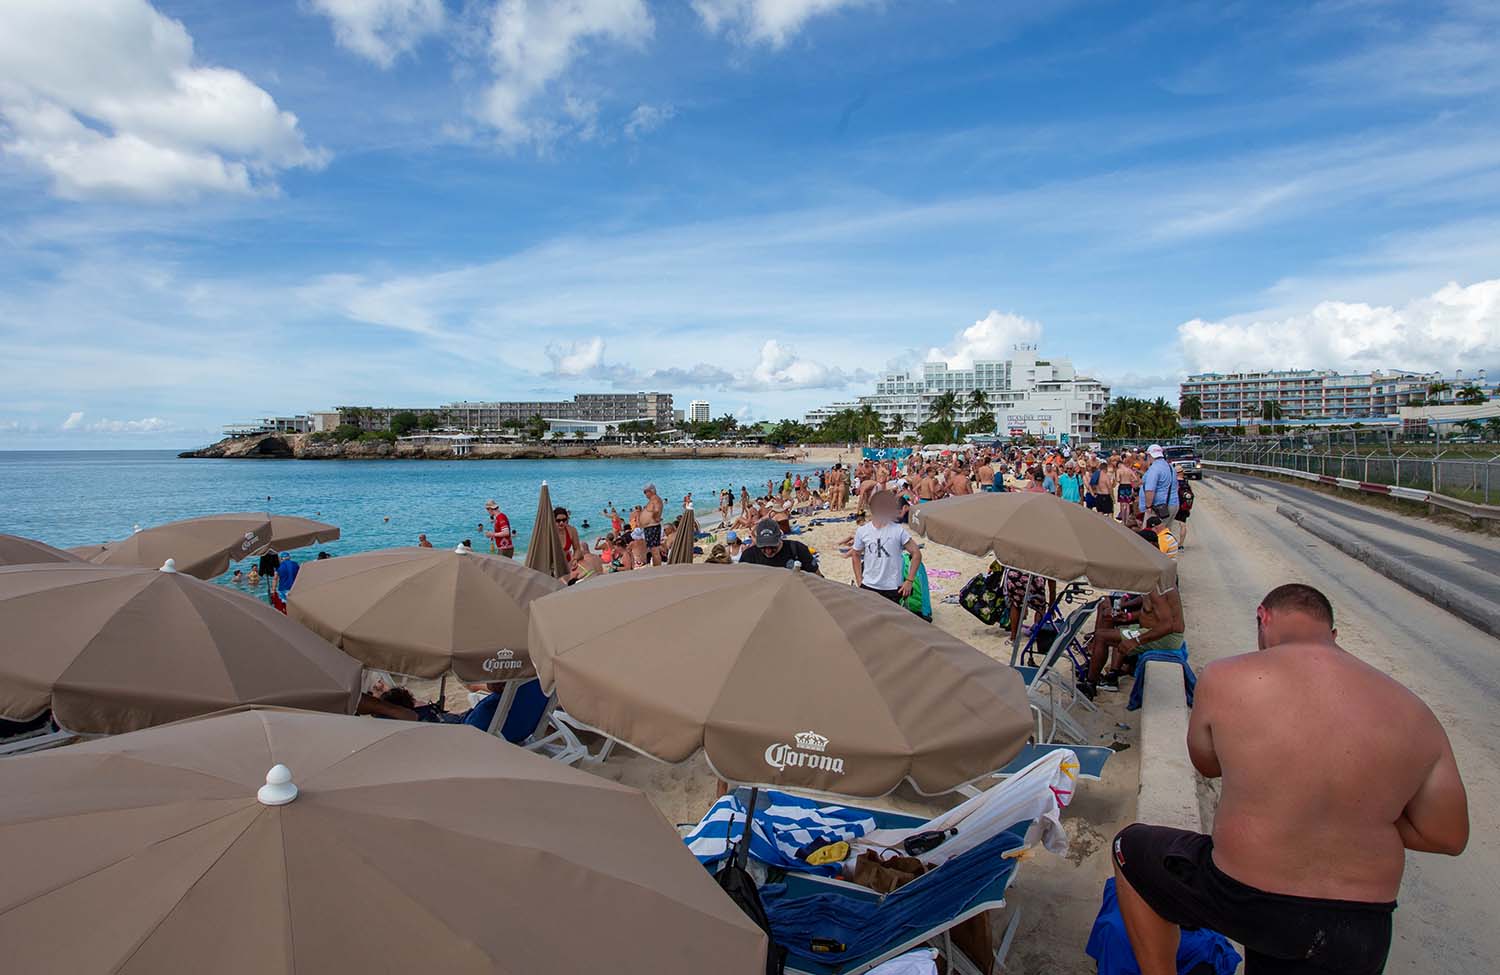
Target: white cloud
(648,118)
(533,44)
(382,30)
(765,21)
(1457,327)
(781,368)
(992,337)
(104,96)
(576,358)
(150,424)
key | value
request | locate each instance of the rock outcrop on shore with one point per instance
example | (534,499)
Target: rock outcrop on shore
(299,446)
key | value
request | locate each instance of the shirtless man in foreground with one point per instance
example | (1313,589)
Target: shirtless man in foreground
(651,523)
(1331,771)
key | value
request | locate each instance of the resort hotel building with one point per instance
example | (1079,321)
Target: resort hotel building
(1232,399)
(698,411)
(1028,396)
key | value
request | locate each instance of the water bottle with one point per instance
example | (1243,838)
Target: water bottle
(795,565)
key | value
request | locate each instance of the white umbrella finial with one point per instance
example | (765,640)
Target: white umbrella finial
(279,788)
(170,565)
(134,529)
(461,549)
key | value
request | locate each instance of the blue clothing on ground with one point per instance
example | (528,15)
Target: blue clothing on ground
(1189,679)
(1109,945)
(1161,481)
(1072,488)
(286,574)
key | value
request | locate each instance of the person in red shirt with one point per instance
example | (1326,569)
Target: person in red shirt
(501,537)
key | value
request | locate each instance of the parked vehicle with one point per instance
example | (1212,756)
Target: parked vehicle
(1185,459)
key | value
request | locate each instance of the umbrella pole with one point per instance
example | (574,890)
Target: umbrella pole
(442,693)
(742,855)
(1015,643)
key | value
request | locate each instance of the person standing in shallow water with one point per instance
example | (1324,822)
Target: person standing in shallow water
(1331,771)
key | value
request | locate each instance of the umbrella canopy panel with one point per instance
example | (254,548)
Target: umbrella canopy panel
(16,550)
(201,547)
(423,611)
(113,649)
(406,848)
(1045,535)
(290,531)
(782,679)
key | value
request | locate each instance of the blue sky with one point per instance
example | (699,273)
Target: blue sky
(213,211)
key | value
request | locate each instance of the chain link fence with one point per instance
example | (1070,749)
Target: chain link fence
(1462,475)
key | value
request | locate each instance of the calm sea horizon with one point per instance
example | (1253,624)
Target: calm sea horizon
(80,497)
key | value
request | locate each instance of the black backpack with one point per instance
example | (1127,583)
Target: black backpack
(740,886)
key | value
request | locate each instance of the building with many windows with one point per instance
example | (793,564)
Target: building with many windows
(698,411)
(820,415)
(1238,397)
(1027,395)
(491,416)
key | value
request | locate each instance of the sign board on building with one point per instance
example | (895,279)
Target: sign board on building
(1044,423)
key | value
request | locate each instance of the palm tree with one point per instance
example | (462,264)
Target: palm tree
(943,409)
(979,401)
(1493,424)
(1437,389)
(1271,411)
(728,423)
(1471,395)
(896,426)
(868,423)
(1191,408)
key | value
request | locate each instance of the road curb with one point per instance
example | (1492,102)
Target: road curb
(1478,613)
(1169,784)
(1237,486)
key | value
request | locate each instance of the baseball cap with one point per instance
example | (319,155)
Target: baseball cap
(491,504)
(767,534)
(732,537)
(1154,450)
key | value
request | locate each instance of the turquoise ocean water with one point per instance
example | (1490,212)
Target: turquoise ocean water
(79,497)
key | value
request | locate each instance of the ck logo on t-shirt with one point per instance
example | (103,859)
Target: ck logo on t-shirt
(880,548)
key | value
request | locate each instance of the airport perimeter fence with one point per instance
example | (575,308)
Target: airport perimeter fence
(1463,475)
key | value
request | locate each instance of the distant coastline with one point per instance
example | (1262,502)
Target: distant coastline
(302,447)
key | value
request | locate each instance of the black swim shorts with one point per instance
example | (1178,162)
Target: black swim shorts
(653,536)
(1174,872)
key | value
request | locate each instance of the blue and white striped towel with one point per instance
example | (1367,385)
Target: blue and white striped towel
(784,824)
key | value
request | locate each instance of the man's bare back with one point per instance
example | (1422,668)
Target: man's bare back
(1321,754)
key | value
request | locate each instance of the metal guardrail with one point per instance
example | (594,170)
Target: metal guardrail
(1479,512)
(1463,477)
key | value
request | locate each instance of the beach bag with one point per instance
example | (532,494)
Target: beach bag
(983,598)
(920,600)
(1184,497)
(740,886)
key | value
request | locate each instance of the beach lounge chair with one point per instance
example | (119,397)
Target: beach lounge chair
(38,734)
(1051,690)
(523,715)
(830,926)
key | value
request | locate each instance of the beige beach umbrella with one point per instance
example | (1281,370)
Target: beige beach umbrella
(423,611)
(681,552)
(16,550)
(781,678)
(201,547)
(545,553)
(88,552)
(291,531)
(1044,535)
(260,842)
(111,649)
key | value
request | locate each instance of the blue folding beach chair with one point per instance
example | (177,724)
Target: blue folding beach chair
(1052,694)
(830,926)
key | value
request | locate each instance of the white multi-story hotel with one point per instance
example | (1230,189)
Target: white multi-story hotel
(1025,393)
(819,415)
(1311,393)
(698,411)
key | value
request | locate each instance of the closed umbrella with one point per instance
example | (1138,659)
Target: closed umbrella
(201,547)
(545,551)
(681,552)
(15,550)
(1043,534)
(424,611)
(265,841)
(780,677)
(111,649)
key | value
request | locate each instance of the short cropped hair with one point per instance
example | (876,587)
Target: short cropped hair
(1299,598)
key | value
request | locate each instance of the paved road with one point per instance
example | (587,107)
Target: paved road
(1238,550)
(1464,561)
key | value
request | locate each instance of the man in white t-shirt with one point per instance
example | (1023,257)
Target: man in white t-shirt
(878,545)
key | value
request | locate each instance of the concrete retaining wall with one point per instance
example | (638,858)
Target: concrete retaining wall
(1169,783)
